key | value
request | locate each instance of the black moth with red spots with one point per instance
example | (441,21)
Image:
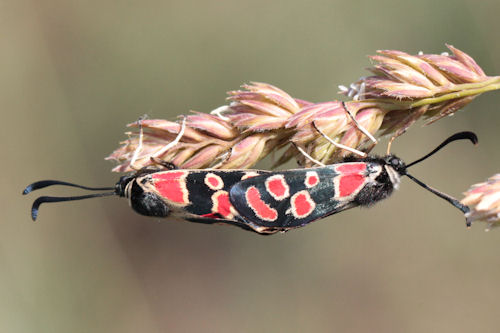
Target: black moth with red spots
(294,198)
(261,201)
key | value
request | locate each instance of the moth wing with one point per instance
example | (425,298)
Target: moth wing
(288,199)
(198,194)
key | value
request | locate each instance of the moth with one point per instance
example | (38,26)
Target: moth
(262,201)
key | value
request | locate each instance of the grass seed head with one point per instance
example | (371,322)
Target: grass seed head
(261,118)
(485,199)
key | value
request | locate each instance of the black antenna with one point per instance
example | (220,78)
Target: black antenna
(45,183)
(465,209)
(41,200)
(457,136)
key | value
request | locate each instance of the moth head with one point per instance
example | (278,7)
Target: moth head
(395,168)
(395,163)
(122,187)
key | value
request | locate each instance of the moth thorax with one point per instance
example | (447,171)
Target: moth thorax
(394,176)
(373,170)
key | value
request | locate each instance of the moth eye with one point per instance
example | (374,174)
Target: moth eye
(395,162)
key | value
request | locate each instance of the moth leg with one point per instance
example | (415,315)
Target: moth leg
(339,145)
(174,142)
(165,164)
(137,150)
(306,155)
(154,158)
(358,126)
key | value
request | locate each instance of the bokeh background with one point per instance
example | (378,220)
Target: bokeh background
(73,73)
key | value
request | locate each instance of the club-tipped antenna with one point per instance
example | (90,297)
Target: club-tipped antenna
(45,183)
(41,200)
(455,137)
(465,209)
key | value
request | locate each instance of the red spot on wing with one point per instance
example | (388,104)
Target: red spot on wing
(351,179)
(349,184)
(302,205)
(312,179)
(172,186)
(277,187)
(259,207)
(213,181)
(347,168)
(221,204)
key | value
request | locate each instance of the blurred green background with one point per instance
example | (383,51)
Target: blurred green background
(73,73)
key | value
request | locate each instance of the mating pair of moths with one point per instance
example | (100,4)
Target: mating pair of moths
(261,201)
